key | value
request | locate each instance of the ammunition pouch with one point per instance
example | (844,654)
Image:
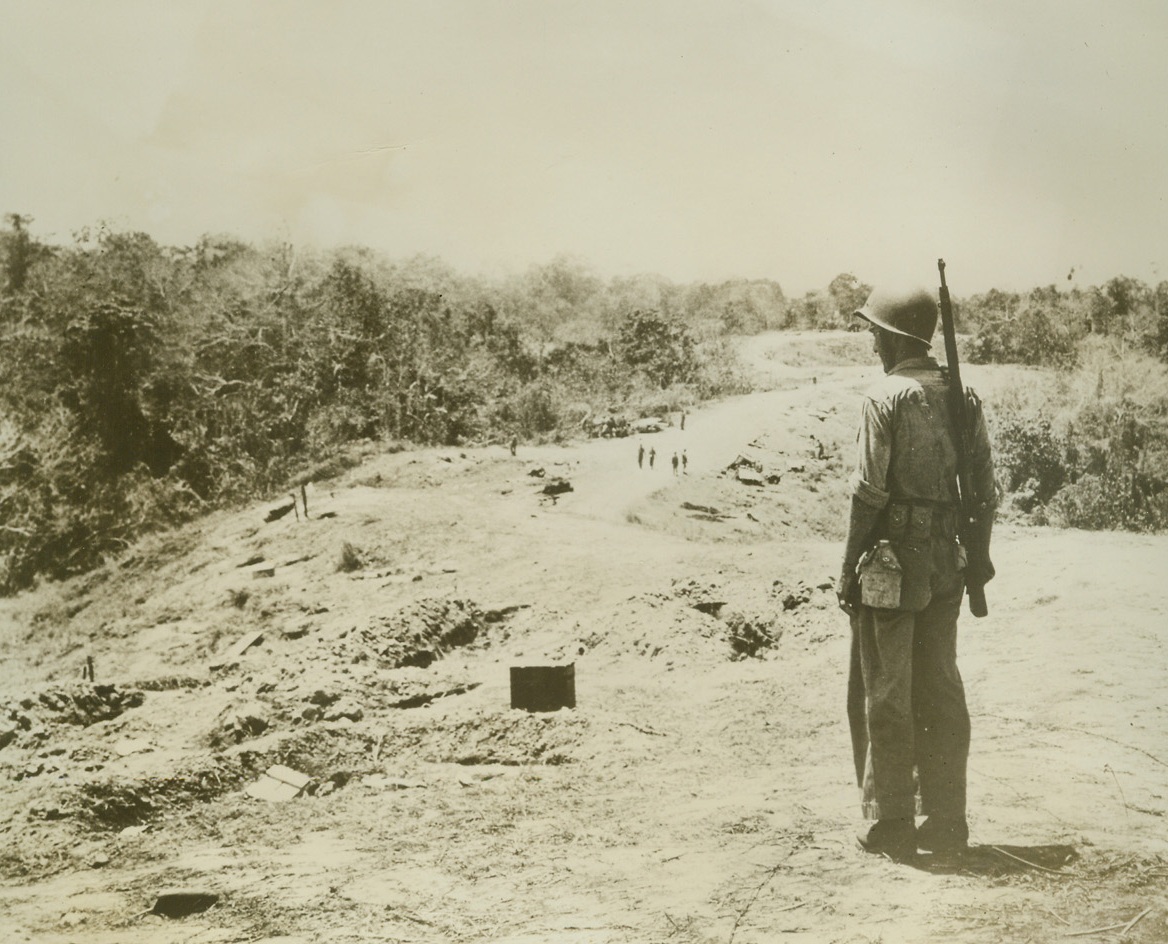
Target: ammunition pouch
(910,528)
(897,574)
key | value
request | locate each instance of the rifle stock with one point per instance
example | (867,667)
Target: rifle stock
(969,527)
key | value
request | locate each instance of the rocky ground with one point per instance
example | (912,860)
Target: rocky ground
(303,725)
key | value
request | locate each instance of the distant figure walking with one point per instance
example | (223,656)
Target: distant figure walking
(514,444)
(684,463)
(652,456)
(675,463)
(640,455)
(683,420)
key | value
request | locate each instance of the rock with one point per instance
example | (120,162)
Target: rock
(7,735)
(345,708)
(99,861)
(748,476)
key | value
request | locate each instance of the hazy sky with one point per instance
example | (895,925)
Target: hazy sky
(787,139)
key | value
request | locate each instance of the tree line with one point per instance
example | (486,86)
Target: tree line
(143,384)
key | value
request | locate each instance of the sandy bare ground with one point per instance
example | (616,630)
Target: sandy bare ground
(700,790)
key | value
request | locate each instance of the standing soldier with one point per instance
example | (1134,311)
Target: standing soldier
(684,463)
(675,463)
(640,455)
(902,583)
(652,455)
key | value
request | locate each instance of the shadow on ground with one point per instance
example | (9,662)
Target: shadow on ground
(998,859)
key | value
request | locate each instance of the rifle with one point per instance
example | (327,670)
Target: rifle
(970,528)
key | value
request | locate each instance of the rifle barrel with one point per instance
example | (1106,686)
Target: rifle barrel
(960,413)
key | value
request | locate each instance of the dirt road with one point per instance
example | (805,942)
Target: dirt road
(699,792)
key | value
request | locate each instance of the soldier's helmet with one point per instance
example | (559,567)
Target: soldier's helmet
(911,312)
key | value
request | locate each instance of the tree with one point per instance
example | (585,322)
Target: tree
(848,294)
(664,350)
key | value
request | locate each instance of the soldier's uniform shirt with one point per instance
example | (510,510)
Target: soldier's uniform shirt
(906,702)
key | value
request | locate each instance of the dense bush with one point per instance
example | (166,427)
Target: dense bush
(1106,469)
(1032,459)
(1041,329)
(142,384)
(1046,327)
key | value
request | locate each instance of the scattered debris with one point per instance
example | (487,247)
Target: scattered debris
(709,511)
(643,730)
(239,723)
(499,613)
(752,633)
(179,903)
(128,746)
(279,784)
(792,597)
(536,473)
(241,646)
(702,596)
(82,704)
(278,510)
(352,558)
(345,709)
(383,782)
(557,486)
(416,635)
(426,698)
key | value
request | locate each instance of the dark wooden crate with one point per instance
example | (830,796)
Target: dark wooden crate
(543,687)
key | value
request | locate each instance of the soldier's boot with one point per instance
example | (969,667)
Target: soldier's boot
(943,835)
(895,838)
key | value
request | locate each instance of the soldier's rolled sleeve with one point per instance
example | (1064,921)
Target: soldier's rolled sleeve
(868,493)
(874,441)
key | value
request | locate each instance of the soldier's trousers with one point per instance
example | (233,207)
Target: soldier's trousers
(906,708)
